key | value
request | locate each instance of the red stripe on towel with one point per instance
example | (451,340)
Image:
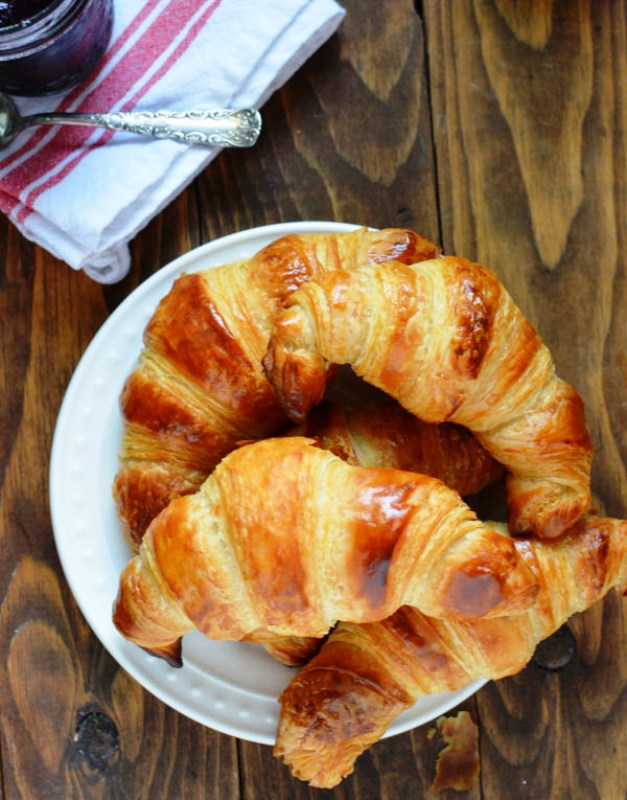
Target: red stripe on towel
(66,103)
(158,37)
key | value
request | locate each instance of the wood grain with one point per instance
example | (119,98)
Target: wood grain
(497,127)
(529,129)
(58,685)
(484,216)
(348,138)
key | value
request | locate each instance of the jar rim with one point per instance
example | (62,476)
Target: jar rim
(48,17)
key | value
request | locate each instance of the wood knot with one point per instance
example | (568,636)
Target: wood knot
(97,739)
(557,651)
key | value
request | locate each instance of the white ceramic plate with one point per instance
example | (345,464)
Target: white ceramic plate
(230,687)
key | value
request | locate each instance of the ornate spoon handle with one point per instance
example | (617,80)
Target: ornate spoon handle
(218,128)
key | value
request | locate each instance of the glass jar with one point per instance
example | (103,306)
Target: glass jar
(49,45)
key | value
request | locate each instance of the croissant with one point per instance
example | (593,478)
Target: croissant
(288,538)
(293,651)
(199,387)
(382,434)
(444,338)
(366,675)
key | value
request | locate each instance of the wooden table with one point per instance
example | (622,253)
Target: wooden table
(499,129)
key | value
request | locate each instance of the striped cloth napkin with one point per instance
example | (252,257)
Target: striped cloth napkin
(84,202)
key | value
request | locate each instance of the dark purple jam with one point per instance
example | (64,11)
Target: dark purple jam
(53,44)
(18,12)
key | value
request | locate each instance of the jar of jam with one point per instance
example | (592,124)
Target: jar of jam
(49,45)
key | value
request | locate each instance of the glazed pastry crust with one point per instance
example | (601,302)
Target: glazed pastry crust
(344,699)
(445,339)
(198,387)
(382,434)
(288,538)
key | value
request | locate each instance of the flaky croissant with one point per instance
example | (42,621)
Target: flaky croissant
(199,387)
(380,433)
(445,339)
(366,675)
(288,538)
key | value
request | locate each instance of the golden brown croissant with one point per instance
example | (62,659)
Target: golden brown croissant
(199,388)
(293,651)
(382,434)
(288,538)
(445,339)
(366,675)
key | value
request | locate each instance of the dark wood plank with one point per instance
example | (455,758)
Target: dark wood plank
(348,138)
(530,127)
(73,724)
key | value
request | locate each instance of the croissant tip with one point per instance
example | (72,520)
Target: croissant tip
(171,653)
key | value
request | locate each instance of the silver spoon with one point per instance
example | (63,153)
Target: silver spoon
(218,128)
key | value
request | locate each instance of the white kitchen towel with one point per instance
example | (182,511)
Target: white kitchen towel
(84,193)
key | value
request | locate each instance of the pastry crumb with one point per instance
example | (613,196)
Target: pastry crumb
(457,766)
